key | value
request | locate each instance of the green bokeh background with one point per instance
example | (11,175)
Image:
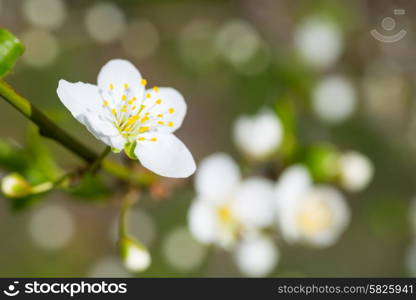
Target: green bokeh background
(376,241)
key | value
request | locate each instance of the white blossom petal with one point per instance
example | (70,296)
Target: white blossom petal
(119,74)
(254,202)
(292,185)
(79,97)
(167,156)
(256,256)
(171,110)
(322,216)
(217,178)
(202,221)
(103,130)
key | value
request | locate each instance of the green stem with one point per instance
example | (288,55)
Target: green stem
(50,130)
(129,199)
(97,163)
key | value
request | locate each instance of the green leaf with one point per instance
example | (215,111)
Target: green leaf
(322,160)
(10,51)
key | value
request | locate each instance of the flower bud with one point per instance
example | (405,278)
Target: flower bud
(135,256)
(15,186)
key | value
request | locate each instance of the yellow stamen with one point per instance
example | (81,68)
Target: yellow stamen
(153,139)
(143,82)
(126,86)
(160,115)
(124,109)
(134,107)
(148,95)
(144,129)
(161,123)
(171,110)
(113,111)
(144,120)
(170,124)
(158,101)
(111,86)
(156,88)
(141,139)
(105,103)
(123,97)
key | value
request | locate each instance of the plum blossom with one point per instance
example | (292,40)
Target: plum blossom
(311,214)
(229,211)
(122,113)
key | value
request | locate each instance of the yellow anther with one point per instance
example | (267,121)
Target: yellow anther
(170,124)
(160,115)
(153,139)
(111,86)
(161,123)
(141,139)
(142,107)
(143,82)
(130,102)
(105,103)
(144,129)
(113,111)
(144,120)
(134,107)
(171,110)
(146,114)
(148,95)
(126,86)
(158,101)
(123,109)
(123,97)
(156,88)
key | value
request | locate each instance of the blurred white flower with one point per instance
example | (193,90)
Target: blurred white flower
(226,207)
(105,22)
(313,215)
(355,171)
(258,136)
(42,48)
(334,99)
(51,227)
(256,256)
(136,257)
(49,14)
(238,41)
(145,41)
(121,113)
(181,251)
(318,41)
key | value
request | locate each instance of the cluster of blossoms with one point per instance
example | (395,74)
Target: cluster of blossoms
(247,216)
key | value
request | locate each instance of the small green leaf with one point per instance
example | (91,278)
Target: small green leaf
(10,50)
(91,187)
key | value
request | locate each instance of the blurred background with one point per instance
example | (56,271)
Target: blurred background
(227,58)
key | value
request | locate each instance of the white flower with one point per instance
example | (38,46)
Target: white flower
(135,256)
(318,41)
(226,207)
(256,256)
(334,99)
(122,113)
(356,171)
(258,136)
(314,215)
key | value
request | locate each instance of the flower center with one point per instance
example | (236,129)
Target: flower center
(136,117)
(314,217)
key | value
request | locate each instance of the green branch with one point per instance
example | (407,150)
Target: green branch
(49,129)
